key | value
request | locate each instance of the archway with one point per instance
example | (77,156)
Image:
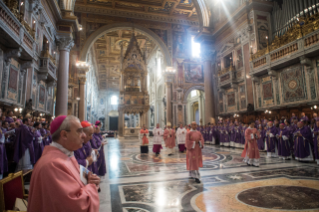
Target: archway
(112,27)
(194,101)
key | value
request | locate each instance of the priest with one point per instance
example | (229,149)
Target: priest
(169,138)
(194,144)
(24,154)
(316,142)
(302,140)
(9,118)
(157,139)
(97,143)
(3,154)
(55,183)
(271,140)
(181,138)
(85,155)
(283,142)
(37,141)
(251,153)
(144,136)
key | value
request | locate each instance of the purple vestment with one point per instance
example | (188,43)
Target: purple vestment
(271,141)
(96,144)
(23,141)
(9,120)
(3,155)
(261,140)
(316,143)
(301,143)
(81,155)
(37,145)
(283,136)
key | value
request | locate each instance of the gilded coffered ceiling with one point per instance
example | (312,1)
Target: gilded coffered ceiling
(178,9)
(107,54)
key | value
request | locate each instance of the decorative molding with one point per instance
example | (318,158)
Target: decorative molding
(26,64)
(13,53)
(127,14)
(305,61)
(65,43)
(272,73)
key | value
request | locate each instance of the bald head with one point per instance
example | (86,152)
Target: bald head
(88,132)
(194,125)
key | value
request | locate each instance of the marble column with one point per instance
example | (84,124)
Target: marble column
(208,86)
(168,103)
(121,123)
(65,45)
(82,99)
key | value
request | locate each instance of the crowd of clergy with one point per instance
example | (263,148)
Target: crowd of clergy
(22,142)
(187,138)
(287,138)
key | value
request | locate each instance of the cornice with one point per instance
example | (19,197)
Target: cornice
(135,15)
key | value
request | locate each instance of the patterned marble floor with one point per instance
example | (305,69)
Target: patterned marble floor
(142,182)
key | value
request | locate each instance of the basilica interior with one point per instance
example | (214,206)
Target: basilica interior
(137,63)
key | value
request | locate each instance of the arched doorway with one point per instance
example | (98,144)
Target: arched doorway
(194,100)
(113,120)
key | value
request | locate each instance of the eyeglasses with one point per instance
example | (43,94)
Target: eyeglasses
(79,131)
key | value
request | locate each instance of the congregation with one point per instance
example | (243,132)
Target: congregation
(23,141)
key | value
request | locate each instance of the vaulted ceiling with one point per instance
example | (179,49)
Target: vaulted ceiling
(107,54)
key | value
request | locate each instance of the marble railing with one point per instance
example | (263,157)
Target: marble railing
(17,31)
(301,47)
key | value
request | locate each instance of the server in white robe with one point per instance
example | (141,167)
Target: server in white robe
(157,139)
(181,138)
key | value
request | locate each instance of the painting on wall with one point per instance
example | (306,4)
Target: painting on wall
(127,99)
(231,99)
(13,79)
(193,73)
(267,90)
(161,33)
(179,45)
(263,35)
(293,84)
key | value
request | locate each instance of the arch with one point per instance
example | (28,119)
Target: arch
(202,10)
(196,87)
(118,26)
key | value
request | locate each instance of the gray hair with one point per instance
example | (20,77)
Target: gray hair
(64,126)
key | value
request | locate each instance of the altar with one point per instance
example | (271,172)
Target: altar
(134,98)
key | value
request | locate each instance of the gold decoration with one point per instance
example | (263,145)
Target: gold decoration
(225,70)
(47,54)
(299,29)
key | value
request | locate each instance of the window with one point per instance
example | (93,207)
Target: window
(193,93)
(114,100)
(195,48)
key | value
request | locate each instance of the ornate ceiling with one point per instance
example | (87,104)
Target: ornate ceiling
(107,54)
(179,9)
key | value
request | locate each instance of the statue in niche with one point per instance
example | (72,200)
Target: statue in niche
(134,56)
(28,108)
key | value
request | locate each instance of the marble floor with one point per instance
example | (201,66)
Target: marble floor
(142,182)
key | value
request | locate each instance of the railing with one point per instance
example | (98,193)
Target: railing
(311,40)
(260,62)
(296,41)
(12,23)
(284,52)
(47,54)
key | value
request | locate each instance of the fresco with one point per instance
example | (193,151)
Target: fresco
(193,73)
